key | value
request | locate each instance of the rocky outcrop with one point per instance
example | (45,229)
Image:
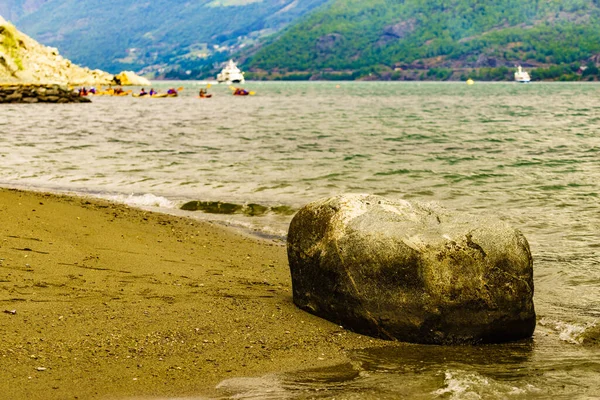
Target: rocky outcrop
(483,61)
(399,30)
(411,272)
(38,93)
(23,60)
(327,43)
(130,78)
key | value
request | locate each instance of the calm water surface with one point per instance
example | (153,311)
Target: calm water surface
(529,154)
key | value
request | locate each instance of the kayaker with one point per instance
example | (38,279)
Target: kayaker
(240,92)
(143,92)
(171,91)
(152,92)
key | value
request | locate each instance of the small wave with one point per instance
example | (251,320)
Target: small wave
(355,156)
(462,385)
(141,200)
(394,172)
(587,334)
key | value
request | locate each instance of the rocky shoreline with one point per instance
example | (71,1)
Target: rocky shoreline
(39,93)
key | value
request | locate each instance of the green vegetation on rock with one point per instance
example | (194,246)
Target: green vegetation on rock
(9,43)
(218,207)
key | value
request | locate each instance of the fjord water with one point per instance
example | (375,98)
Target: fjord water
(529,154)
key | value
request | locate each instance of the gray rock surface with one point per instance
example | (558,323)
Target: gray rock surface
(38,93)
(410,271)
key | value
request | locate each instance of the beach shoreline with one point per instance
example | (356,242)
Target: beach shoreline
(101,300)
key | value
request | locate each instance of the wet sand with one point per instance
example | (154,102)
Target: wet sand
(99,300)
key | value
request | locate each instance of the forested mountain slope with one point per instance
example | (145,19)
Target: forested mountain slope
(156,35)
(439,39)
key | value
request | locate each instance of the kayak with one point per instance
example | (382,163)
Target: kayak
(239,91)
(243,93)
(113,94)
(155,96)
(206,96)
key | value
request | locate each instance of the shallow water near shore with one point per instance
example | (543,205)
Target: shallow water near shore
(529,154)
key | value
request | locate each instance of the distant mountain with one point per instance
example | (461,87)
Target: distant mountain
(159,36)
(322,39)
(12,10)
(435,39)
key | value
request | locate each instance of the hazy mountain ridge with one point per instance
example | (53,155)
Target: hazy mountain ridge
(159,35)
(12,10)
(324,39)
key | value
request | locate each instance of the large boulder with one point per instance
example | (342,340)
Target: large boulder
(410,271)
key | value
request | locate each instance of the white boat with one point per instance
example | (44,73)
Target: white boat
(522,76)
(230,74)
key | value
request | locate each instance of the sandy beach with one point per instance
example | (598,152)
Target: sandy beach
(99,300)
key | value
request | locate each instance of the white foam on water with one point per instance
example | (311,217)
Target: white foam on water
(141,200)
(463,385)
(568,332)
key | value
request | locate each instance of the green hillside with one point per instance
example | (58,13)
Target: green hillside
(159,36)
(436,39)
